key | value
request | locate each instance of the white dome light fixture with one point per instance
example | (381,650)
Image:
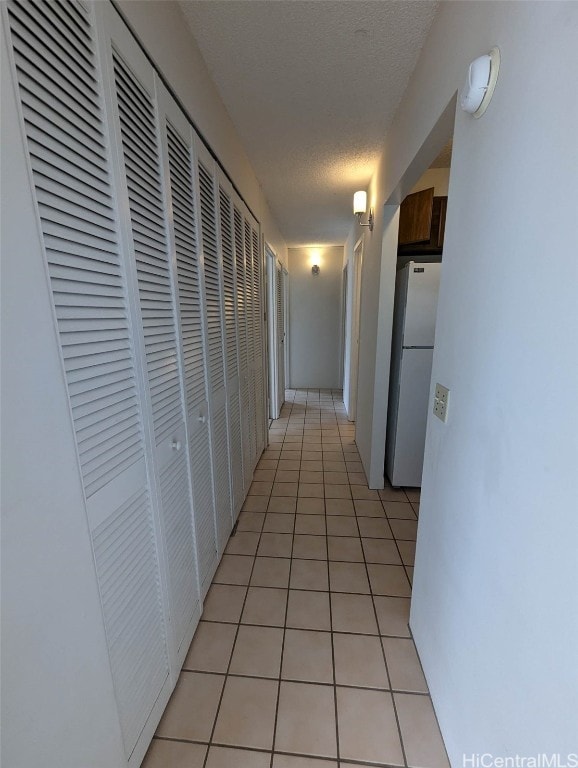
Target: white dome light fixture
(480,83)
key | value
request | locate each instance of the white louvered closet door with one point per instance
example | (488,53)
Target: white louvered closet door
(215,331)
(135,136)
(180,165)
(280,333)
(258,337)
(227,238)
(61,99)
(242,324)
(251,342)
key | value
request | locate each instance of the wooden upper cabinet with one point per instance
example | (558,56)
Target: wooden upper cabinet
(433,244)
(415,217)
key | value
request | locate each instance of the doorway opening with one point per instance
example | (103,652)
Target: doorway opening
(277,331)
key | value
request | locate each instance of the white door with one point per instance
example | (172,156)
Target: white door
(61,98)
(280,335)
(215,330)
(354,329)
(243,323)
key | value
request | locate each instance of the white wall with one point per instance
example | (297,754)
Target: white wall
(494,612)
(162,29)
(315,316)
(438,178)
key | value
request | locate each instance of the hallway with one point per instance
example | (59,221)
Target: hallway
(303,648)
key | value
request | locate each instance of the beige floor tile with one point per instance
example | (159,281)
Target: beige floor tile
(211,648)
(341,526)
(407,551)
(267,475)
(255,503)
(392,615)
(403,664)
(404,529)
(265,606)
(267,464)
(345,548)
(310,524)
(381,551)
(284,489)
(422,741)
(413,494)
(247,713)
(374,527)
(354,466)
(227,757)
(275,545)
(287,455)
(310,547)
(282,504)
(259,488)
(306,720)
(289,465)
(340,507)
(309,574)
(363,492)
(257,652)
(308,610)
(289,761)
(251,521)
(306,476)
(353,613)
(358,478)
(224,603)
(409,571)
(311,452)
(312,465)
(359,661)
(307,655)
(308,506)
(368,508)
(243,543)
(271,572)
(367,726)
(234,569)
(415,506)
(389,580)
(331,455)
(401,510)
(276,523)
(194,692)
(270,453)
(287,476)
(334,466)
(310,490)
(348,577)
(392,494)
(175,754)
(337,491)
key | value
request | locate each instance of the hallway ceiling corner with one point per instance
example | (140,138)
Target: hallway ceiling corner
(311,86)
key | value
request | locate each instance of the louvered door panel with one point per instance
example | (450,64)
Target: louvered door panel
(60,93)
(242,335)
(215,325)
(251,344)
(183,222)
(260,401)
(145,186)
(231,346)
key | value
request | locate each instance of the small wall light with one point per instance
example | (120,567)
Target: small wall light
(360,207)
(480,83)
(315,269)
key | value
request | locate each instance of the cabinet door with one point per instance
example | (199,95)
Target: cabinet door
(242,320)
(212,272)
(258,340)
(61,100)
(415,217)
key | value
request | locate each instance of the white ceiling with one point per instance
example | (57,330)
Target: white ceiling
(311,87)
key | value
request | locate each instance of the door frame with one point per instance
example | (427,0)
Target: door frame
(352,328)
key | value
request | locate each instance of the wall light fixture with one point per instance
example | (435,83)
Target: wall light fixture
(315,269)
(360,207)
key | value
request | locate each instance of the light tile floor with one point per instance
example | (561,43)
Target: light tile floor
(303,657)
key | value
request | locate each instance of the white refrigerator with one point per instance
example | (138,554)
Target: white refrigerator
(415,306)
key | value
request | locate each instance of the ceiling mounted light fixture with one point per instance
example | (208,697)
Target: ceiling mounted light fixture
(360,207)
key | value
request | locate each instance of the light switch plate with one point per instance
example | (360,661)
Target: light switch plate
(441,402)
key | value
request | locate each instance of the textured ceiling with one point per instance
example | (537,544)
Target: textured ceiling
(311,88)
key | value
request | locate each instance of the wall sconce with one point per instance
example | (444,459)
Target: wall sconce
(315,269)
(480,83)
(360,207)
